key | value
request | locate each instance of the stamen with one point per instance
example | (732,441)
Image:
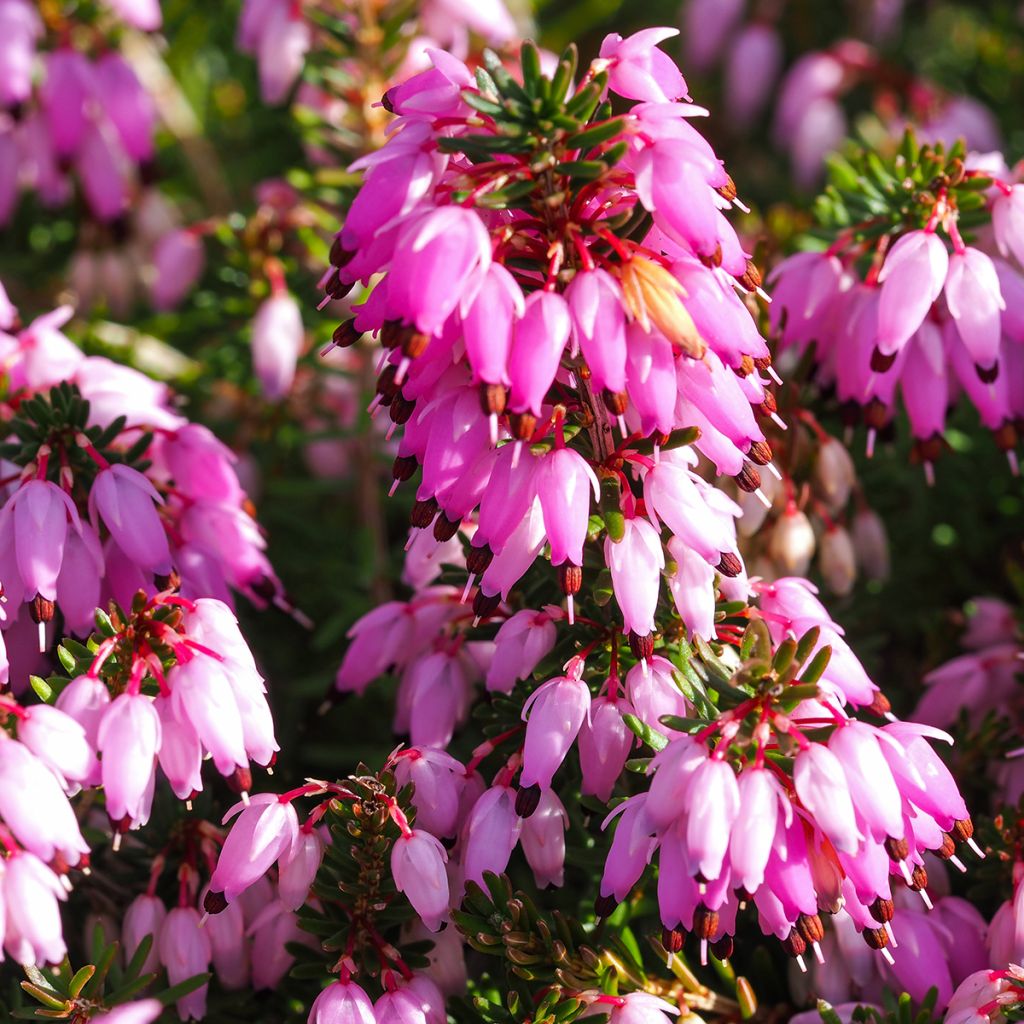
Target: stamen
(958,864)
(762,497)
(892,935)
(393,488)
(622,427)
(188,805)
(800,963)
(570,609)
(905,868)
(818,954)
(929,474)
(245,797)
(976,848)
(771,467)
(493,424)
(740,205)
(1011,458)
(42,637)
(469,587)
(515,454)
(203,919)
(869,450)
(762,294)
(927,899)
(403,368)
(888,956)
(779,421)
(116,844)
(703,952)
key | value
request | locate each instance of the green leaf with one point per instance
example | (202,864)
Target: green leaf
(529,58)
(175,992)
(42,688)
(583,170)
(654,739)
(595,134)
(816,668)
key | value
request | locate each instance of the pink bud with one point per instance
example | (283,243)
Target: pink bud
(437,784)
(58,741)
(604,745)
(823,790)
(651,379)
(297,867)
(711,816)
(553,713)
(543,840)
(140,14)
(127,104)
(488,325)
(522,642)
(41,511)
(490,834)
(540,338)
(417,864)
(177,265)
(277,337)
(599,326)
(283,45)
(752,67)
(185,952)
(692,589)
(399,1006)
(78,585)
(31,893)
(181,753)
(636,563)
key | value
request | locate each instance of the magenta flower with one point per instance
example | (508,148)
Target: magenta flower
(139,1011)
(823,790)
(178,260)
(228,949)
(631,848)
(543,840)
(604,745)
(975,301)
(297,867)
(59,742)
(437,780)
(1008,222)
(185,952)
(20,29)
(181,752)
(128,740)
(635,563)
(81,574)
(31,893)
(540,336)
(637,70)
(489,323)
(753,833)
(489,835)
(277,337)
(564,483)
(553,713)
(418,866)
(342,1002)
(127,503)
(141,14)
(145,916)
(599,327)
(911,277)
(522,642)
(127,104)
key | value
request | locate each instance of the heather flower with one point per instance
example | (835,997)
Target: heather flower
(489,835)
(543,840)
(639,71)
(975,301)
(554,713)
(604,745)
(31,893)
(127,503)
(915,270)
(417,864)
(145,916)
(277,337)
(342,1002)
(128,740)
(185,951)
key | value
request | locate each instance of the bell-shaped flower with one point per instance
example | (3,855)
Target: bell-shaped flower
(876,797)
(653,692)
(228,948)
(822,787)
(651,379)
(488,325)
(181,752)
(553,714)
(630,850)
(144,916)
(418,866)
(711,816)
(128,741)
(144,15)
(921,775)
(127,104)
(185,951)
(975,302)
(543,840)
(637,70)
(673,767)
(277,337)
(1008,222)
(436,778)
(59,741)
(507,499)
(79,583)
(127,503)
(490,834)
(564,483)
(41,512)
(297,867)
(599,327)
(178,260)
(342,1002)
(31,892)
(911,277)
(64,95)
(264,831)
(523,640)
(604,744)
(692,589)
(399,1006)
(85,699)
(635,563)
(540,338)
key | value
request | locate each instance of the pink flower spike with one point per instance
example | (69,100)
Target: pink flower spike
(639,71)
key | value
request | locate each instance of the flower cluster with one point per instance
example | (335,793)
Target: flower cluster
(88,113)
(108,488)
(891,302)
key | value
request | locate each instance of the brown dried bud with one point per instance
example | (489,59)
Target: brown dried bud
(810,928)
(672,940)
(423,512)
(401,409)
(641,646)
(729,565)
(616,402)
(604,906)
(484,605)
(41,610)
(214,902)
(760,452)
(403,467)
(987,374)
(947,849)
(445,528)
(794,944)
(898,849)
(750,278)
(880,362)
(728,190)
(387,103)
(876,938)
(962,830)
(386,386)
(748,479)
(570,578)
(918,878)
(345,334)
(527,800)
(882,910)
(392,332)
(723,947)
(477,559)
(492,399)
(705,922)
(523,425)
(714,260)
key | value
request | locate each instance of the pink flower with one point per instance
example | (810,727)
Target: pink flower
(823,790)
(181,752)
(20,29)
(30,893)
(599,327)
(564,483)
(277,337)
(653,692)
(911,277)
(975,301)
(553,713)
(691,586)
(58,741)
(264,831)
(41,512)
(418,866)
(523,640)
(127,104)
(543,840)
(177,265)
(272,929)
(753,65)
(228,948)
(604,745)
(711,816)
(489,323)
(145,916)
(437,780)
(489,835)
(283,43)
(634,1008)
(139,1011)
(635,563)
(78,585)
(297,867)
(1008,222)
(141,14)
(185,952)
(753,833)
(399,1006)
(126,502)
(342,1002)
(631,848)
(540,337)
(639,71)
(128,740)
